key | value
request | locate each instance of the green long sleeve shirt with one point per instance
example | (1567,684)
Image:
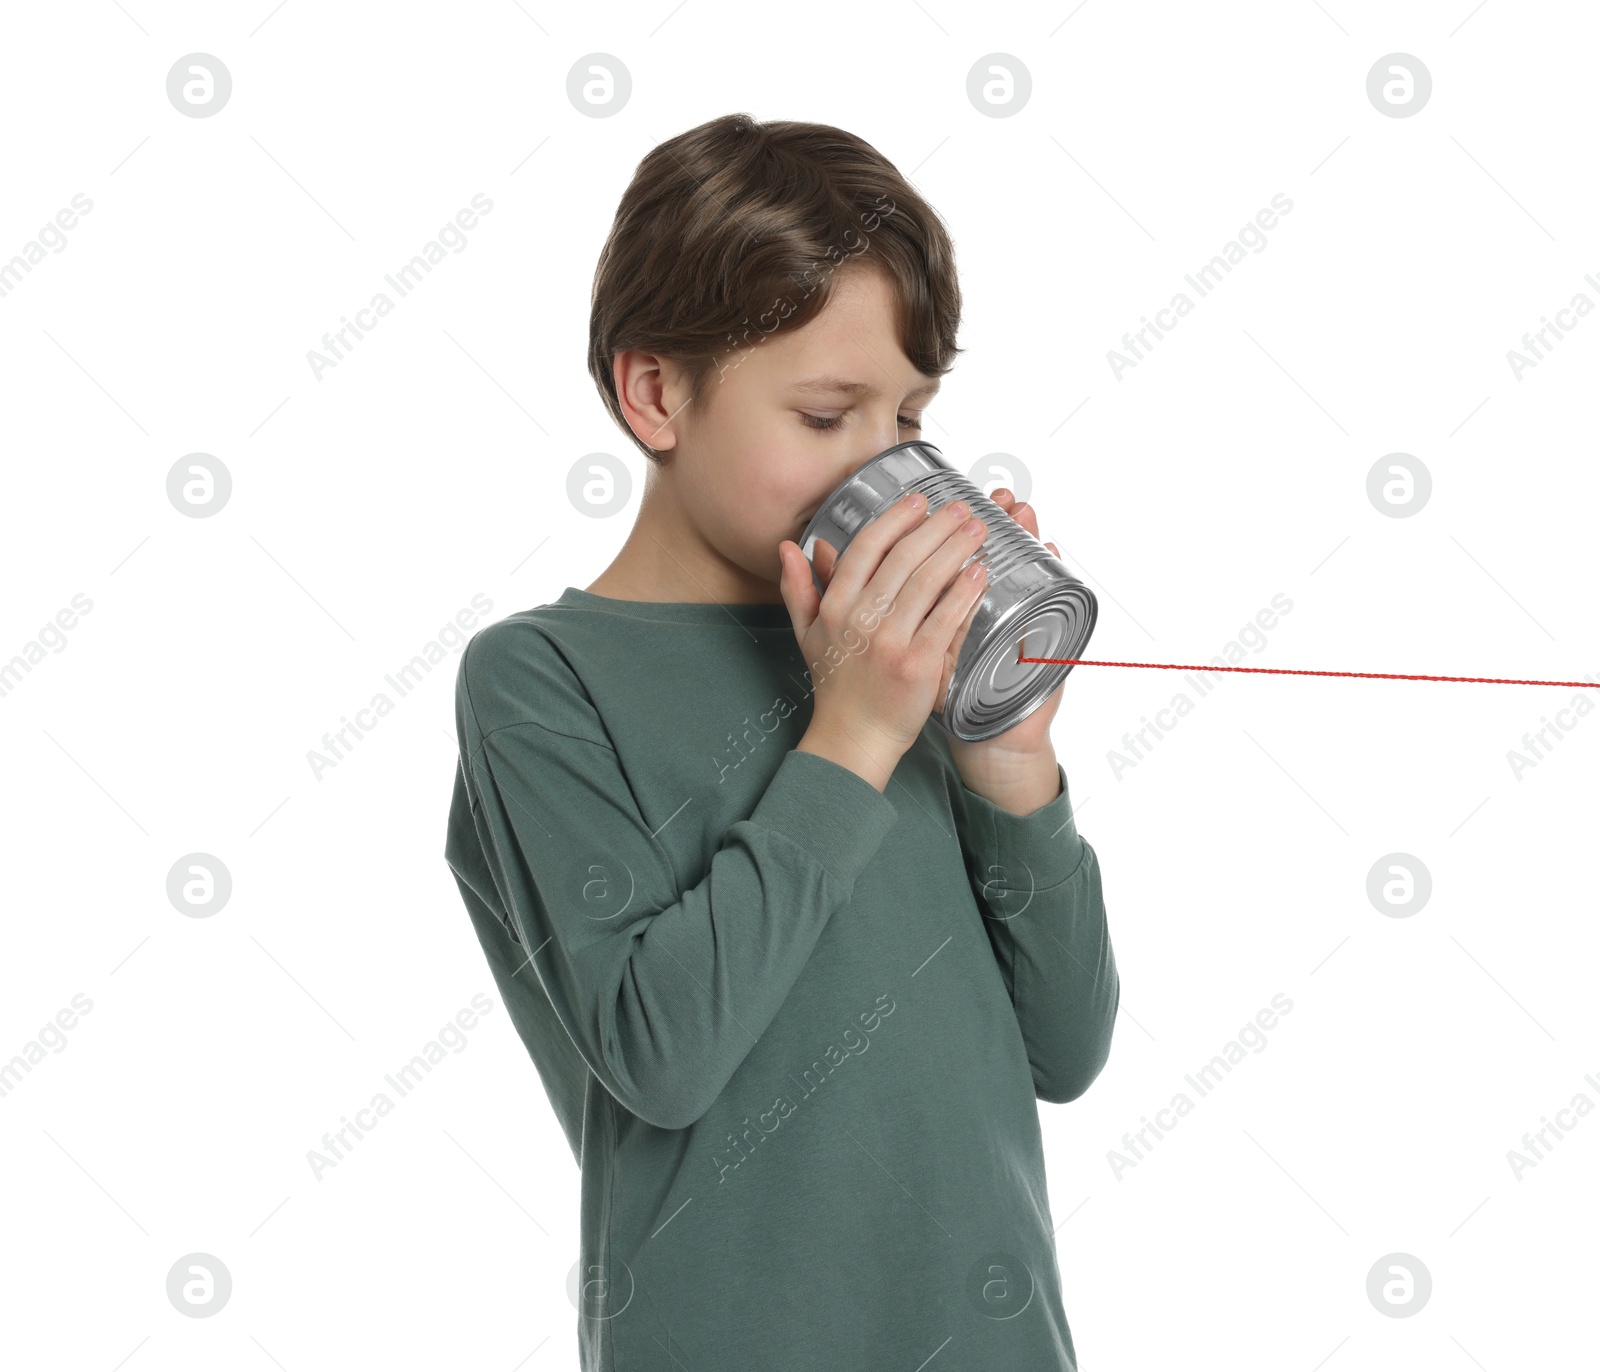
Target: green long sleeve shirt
(794,1029)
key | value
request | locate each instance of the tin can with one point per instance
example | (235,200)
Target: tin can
(1032,607)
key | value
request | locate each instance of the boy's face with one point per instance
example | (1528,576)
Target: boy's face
(777,432)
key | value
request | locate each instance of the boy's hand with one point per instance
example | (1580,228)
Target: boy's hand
(1017,769)
(878,638)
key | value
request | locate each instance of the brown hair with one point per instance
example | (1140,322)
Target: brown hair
(734,230)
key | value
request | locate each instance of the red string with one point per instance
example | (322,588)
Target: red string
(1296,671)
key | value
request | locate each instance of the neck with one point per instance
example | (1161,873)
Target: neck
(665,558)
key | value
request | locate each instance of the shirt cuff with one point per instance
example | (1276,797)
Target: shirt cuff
(835,814)
(1030,852)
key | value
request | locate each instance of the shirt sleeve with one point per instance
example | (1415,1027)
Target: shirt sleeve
(662,992)
(1037,884)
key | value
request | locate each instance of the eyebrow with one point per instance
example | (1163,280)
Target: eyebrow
(838,385)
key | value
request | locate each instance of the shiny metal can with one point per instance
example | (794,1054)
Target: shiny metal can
(1032,607)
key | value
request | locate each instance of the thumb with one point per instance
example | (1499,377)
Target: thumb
(799,591)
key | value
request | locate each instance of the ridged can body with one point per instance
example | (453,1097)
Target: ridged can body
(1032,607)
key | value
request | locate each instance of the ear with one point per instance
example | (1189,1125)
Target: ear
(648,387)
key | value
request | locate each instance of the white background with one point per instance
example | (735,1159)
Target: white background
(370,506)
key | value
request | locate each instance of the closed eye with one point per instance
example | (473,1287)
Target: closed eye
(824,422)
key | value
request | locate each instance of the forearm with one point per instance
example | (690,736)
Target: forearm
(873,764)
(1062,975)
(1037,883)
(1017,782)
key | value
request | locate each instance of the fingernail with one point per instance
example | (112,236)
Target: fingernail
(972,526)
(959,508)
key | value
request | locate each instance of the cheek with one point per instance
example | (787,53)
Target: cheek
(782,479)
(759,512)
(752,505)
(767,470)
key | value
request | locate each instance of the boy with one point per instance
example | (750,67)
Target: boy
(794,964)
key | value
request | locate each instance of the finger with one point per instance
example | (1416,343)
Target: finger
(946,618)
(955,647)
(940,571)
(875,543)
(917,567)
(1052,547)
(1026,516)
(796,587)
(1004,497)
(824,557)
(966,624)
